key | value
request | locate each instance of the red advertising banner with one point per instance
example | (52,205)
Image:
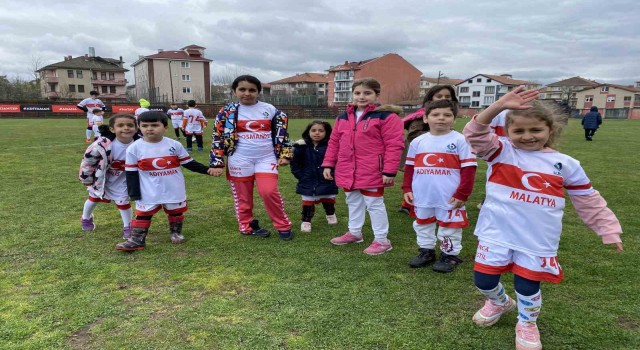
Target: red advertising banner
(124,109)
(66,109)
(9,108)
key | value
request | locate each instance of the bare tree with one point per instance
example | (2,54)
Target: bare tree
(36,64)
(409,91)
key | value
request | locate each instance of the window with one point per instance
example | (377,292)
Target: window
(470,81)
(475,104)
(70,73)
(186,77)
(588,99)
(112,76)
(112,89)
(186,90)
(465,99)
(479,80)
(488,80)
(94,76)
(464,89)
(80,88)
(476,94)
(185,64)
(611,99)
(105,89)
(79,74)
(488,100)
(103,76)
(72,88)
(490,90)
(604,89)
(627,99)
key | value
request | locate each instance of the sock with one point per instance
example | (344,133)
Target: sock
(497,295)
(307,212)
(88,209)
(88,133)
(529,307)
(127,215)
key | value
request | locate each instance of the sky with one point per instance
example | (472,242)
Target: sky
(540,40)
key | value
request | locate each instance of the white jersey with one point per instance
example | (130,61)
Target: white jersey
(176,116)
(437,160)
(115,187)
(194,121)
(140,111)
(91,104)
(161,179)
(254,130)
(525,198)
(97,119)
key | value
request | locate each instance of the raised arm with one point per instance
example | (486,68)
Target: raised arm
(517,99)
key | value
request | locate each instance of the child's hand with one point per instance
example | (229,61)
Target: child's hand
(408,197)
(327,174)
(283,161)
(457,204)
(386,180)
(518,98)
(215,171)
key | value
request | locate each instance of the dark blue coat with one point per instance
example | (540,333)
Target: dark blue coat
(306,166)
(592,120)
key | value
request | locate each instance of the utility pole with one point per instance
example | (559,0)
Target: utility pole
(171,80)
(440,74)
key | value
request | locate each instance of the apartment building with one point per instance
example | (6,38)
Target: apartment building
(564,90)
(613,101)
(399,79)
(75,77)
(427,83)
(301,84)
(176,75)
(482,90)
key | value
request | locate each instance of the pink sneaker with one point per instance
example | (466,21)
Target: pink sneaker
(490,313)
(332,219)
(305,227)
(527,337)
(346,238)
(377,248)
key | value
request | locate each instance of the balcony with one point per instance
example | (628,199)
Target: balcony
(51,80)
(53,94)
(121,82)
(343,88)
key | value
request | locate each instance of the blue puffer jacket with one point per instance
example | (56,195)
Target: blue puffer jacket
(592,120)
(306,166)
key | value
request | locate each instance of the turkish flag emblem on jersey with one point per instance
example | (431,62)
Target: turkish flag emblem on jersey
(514,177)
(254,126)
(117,165)
(437,160)
(160,163)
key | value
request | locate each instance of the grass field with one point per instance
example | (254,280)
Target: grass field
(63,288)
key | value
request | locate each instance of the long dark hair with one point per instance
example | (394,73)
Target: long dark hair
(434,90)
(325,125)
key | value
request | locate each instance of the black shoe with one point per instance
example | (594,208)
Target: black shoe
(447,263)
(256,230)
(426,257)
(404,210)
(286,235)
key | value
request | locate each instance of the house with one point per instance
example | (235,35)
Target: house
(75,77)
(612,100)
(179,75)
(564,90)
(428,83)
(482,90)
(301,84)
(399,79)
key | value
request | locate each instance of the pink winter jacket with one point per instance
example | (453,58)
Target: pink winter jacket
(362,152)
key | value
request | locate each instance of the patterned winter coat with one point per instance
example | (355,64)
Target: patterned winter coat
(94,166)
(225,135)
(362,152)
(306,166)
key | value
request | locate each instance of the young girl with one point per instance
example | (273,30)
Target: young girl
(521,220)
(253,135)
(438,180)
(102,170)
(306,166)
(415,125)
(365,149)
(98,120)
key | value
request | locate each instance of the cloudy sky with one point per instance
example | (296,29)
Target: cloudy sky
(541,40)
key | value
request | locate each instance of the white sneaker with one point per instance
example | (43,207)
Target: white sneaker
(332,219)
(305,227)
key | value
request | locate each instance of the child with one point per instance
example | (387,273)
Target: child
(144,107)
(253,135)
(306,166)
(155,181)
(438,180)
(102,170)
(415,125)
(591,122)
(98,120)
(520,223)
(192,125)
(88,105)
(176,115)
(364,149)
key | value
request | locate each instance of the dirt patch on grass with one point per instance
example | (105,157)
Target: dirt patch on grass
(628,323)
(81,339)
